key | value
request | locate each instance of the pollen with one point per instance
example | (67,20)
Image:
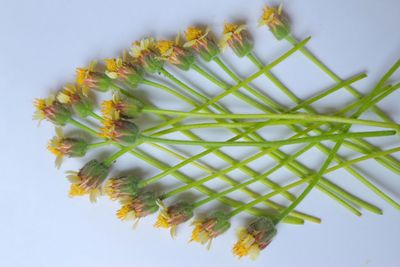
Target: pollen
(162,221)
(193,33)
(164,46)
(122,213)
(76,190)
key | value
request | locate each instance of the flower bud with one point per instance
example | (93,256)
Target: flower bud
(88,78)
(61,146)
(120,130)
(174,215)
(210,227)
(276,22)
(139,206)
(88,180)
(199,41)
(122,188)
(51,110)
(127,108)
(175,54)
(73,97)
(144,52)
(118,68)
(255,238)
(235,36)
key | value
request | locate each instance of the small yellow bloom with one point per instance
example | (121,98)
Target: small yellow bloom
(88,180)
(194,35)
(142,46)
(275,21)
(165,47)
(85,77)
(246,246)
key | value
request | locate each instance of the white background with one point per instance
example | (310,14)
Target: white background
(42,43)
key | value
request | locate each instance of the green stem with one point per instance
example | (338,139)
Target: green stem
(181,177)
(109,161)
(278,143)
(333,76)
(292,185)
(236,87)
(99,144)
(299,117)
(313,183)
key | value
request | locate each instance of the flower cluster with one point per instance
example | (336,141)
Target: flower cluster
(115,122)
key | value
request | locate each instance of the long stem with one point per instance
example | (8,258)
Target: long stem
(313,183)
(236,87)
(267,143)
(99,144)
(292,185)
(299,117)
(158,164)
(326,182)
(115,156)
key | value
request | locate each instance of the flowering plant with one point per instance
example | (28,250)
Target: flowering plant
(116,124)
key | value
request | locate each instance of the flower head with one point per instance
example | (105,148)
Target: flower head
(254,238)
(276,22)
(51,110)
(139,206)
(88,180)
(122,188)
(144,52)
(235,36)
(61,146)
(121,68)
(209,228)
(119,130)
(200,42)
(172,216)
(175,54)
(73,96)
(127,108)
(88,78)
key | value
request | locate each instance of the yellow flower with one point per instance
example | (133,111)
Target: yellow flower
(175,54)
(52,110)
(86,78)
(256,237)
(276,22)
(209,228)
(172,216)
(88,180)
(61,146)
(142,46)
(246,246)
(194,35)
(199,41)
(231,31)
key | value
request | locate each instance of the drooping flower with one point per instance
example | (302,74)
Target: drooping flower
(62,146)
(254,238)
(236,37)
(276,22)
(88,180)
(88,78)
(175,54)
(145,52)
(51,110)
(127,108)
(73,96)
(139,206)
(172,216)
(199,41)
(119,130)
(121,68)
(209,228)
(122,188)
